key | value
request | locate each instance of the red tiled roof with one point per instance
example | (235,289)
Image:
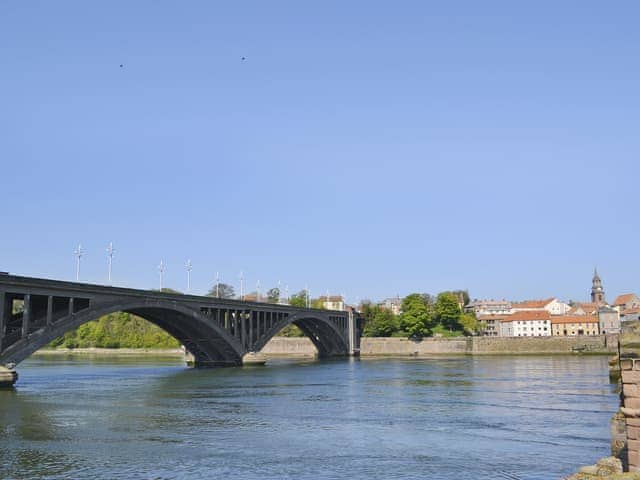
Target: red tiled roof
(630,311)
(573,319)
(624,299)
(533,303)
(586,306)
(528,315)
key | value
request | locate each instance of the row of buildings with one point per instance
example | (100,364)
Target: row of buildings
(552,317)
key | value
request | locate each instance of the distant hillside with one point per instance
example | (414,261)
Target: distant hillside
(117,330)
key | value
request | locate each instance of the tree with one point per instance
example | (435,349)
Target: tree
(416,318)
(379,322)
(447,310)
(169,290)
(221,290)
(299,299)
(463,296)
(469,323)
(317,303)
(273,295)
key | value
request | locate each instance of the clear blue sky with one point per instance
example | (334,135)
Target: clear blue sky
(365,147)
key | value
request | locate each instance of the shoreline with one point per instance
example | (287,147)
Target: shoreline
(172,352)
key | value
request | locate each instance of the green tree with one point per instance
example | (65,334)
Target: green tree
(167,290)
(469,323)
(379,322)
(273,295)
(416,319)
(447,310)
(299,299)
(317,303)
(221,290)
(291,330)
(463,296)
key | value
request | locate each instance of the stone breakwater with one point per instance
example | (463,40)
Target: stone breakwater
(403,347)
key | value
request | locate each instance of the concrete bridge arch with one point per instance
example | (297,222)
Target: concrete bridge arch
(218,332)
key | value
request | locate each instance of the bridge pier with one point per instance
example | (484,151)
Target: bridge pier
(7,377)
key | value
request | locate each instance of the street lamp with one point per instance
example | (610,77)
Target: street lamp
(241,285)
(110,252)
(189,267)
(162,267)
(78,253)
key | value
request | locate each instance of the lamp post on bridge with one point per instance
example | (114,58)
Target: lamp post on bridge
(162,267)
(241,285)
(258,291)
(78,253)
(110,252)
(217,284)
(189,267)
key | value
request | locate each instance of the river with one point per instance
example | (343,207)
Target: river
(441,418)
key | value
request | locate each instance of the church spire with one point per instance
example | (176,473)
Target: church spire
(597,292)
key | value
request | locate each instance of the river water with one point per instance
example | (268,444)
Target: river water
(441,418)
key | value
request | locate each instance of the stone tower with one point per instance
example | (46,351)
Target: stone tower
(597,292)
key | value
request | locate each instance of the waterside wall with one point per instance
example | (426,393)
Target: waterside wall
(403,347)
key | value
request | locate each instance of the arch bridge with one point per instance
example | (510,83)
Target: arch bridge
(216,331)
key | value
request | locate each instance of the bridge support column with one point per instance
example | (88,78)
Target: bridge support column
(7,377)
(354,348)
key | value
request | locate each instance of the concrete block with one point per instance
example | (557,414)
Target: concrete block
(630,390)
(633,433)
(633,457)
(633,445)
(633,422)
(630,376)
(636,364)
(632,402)
(626,364)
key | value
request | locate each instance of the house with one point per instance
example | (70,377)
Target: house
(551,305)
(630,314)
(627,302)
(526,323)
(584,308)
(491,324)
(488,307)
(609,320)
(574,325)
(393,304)
(334,302)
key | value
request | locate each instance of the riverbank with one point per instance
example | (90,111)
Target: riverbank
(160,352)
(402,347)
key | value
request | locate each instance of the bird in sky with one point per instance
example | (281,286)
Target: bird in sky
(121,65)
(244,58)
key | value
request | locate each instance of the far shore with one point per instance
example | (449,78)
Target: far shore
(173,352)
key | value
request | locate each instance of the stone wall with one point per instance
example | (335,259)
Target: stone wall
(403,347)
(630,372)
(543,345)
(290,346)
(406,347)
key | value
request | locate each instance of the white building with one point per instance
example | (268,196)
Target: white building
(488,307)
(551,305)
(528,323)
(609,320)
(334,302)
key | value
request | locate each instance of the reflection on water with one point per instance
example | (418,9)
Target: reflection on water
(440,418)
